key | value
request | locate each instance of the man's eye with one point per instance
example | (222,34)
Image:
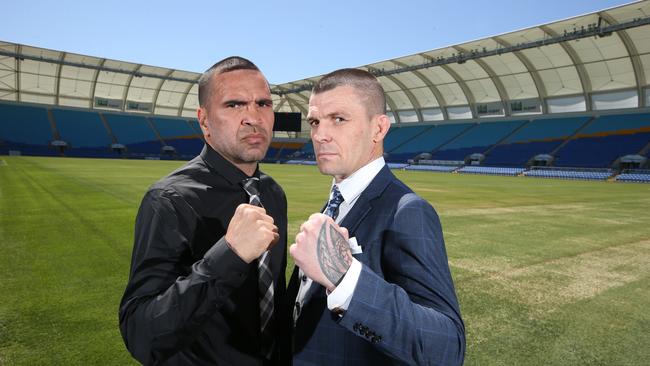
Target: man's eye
(265,104)
(313,123)
(339,119)
(234,104)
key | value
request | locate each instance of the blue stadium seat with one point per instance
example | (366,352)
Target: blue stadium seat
(427,141)
(135,133)
(26,129)
(490,170)
(477,140)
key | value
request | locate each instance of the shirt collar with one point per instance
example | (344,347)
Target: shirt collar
(223,167)
(352,186)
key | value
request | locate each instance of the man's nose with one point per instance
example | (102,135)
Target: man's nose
(252,115)
(321,134)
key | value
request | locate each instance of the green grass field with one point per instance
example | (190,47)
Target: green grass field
(548,272)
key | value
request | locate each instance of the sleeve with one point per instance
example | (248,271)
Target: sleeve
(165,303)
(411,314)
(342,295)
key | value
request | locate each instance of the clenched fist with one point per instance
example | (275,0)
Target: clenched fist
(251,232)
(322,250)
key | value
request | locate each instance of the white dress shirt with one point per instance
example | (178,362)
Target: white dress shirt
(350,188)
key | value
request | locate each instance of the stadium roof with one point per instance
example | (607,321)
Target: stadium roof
(595,61)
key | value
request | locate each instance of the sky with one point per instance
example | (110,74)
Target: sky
(288,40)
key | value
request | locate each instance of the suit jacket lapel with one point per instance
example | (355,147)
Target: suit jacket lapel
(365,203)
(359,211)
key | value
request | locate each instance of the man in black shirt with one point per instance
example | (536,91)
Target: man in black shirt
(207,281)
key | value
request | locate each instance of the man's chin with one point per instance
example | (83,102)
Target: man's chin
(326,168)
(253,155)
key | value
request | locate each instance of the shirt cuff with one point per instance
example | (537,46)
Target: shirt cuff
(342,295)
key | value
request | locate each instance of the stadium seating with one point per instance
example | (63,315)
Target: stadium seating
(135,133)
(179,134)
(637,176)
(26,129)
(570,174)
(606,139)
(596,142)
(84,133)
(432,168)
(540,136)
(477,140)
(490,170)
(423,140)
(399,136)
(397,165)
(300,162)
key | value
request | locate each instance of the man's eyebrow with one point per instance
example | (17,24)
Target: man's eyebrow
(235,101)
(336,114)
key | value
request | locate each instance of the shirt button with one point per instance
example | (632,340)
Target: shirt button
(297,308)
(304,278)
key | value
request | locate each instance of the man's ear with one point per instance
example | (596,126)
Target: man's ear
(382,125)
(202,115)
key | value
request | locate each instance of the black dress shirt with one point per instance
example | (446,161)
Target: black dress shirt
(190,299)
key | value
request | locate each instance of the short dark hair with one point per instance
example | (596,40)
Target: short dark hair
(365,83)
(228,64)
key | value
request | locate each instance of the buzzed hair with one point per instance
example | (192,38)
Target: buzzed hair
(226,65)
(363,82)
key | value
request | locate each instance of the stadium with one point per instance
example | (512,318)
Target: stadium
(533,146)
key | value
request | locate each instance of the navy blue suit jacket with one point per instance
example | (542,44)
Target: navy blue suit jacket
(404,309)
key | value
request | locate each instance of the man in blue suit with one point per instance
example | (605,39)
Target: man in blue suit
(372,285)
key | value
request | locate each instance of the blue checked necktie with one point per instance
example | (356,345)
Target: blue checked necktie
(265,278)
(332,209)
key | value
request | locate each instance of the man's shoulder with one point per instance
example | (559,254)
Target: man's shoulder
(182,181)
(402,195)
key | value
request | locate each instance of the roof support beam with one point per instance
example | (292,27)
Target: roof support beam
(181,105)
(503,95)
(157,92)
(561,39)
(577,62)
(18,73)
(409,95)
(127,86)
(99,67)
(57,85)
(539,84)
(468,93)
(633,53)
(94,84)
(434,90)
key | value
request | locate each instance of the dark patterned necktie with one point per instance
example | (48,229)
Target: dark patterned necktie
(265,278)
(332,209)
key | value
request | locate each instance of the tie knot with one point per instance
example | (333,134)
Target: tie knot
(252,188)
(336,198)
